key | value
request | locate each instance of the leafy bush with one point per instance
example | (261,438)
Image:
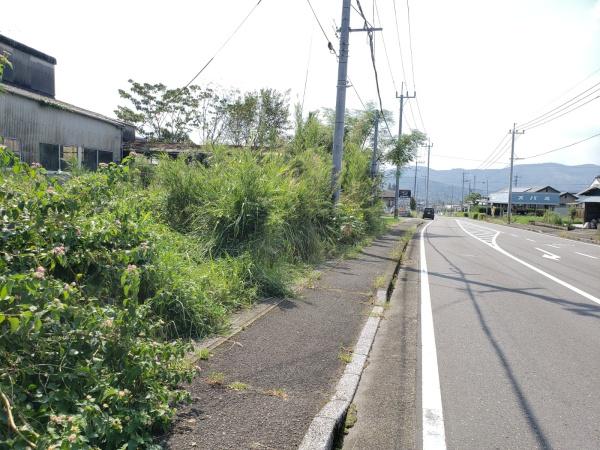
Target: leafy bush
(102,275)
(552,218)
(83,359)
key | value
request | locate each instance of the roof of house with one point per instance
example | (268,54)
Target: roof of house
(25,48)
(387,193)
(593,189)
(527,189)
(53,103)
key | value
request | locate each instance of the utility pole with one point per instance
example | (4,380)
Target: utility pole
(402,96)
(475,182)
(340,101)
(462,192)
(375,155)
(415,186)
(427,189)
(516,180)
(512,160)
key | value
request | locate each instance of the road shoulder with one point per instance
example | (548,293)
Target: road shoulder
(387,397)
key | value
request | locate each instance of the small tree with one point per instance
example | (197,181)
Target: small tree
(159,113)
(473,198)
(413,204)
(405,148)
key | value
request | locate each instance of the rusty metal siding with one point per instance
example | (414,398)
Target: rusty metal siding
(32,122)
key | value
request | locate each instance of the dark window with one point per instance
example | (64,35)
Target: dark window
(49,156)
(68,157)
(105,157)
(90,159)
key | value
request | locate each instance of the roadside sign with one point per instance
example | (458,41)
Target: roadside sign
(535,198)
(404,193)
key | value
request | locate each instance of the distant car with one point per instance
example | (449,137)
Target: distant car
(428,213)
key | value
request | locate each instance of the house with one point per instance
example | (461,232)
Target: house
(590,199)
(526,199)
(39,128)
(567,198)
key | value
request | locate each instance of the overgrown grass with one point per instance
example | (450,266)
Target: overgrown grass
(104,278)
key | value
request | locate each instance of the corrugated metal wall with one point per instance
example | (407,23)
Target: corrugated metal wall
(32,122)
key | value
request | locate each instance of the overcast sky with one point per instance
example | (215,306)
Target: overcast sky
(479,65)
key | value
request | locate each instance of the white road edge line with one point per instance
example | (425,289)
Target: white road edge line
(495,246)
(589,256)
(434,436)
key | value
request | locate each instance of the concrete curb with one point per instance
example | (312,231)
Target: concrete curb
(328,422)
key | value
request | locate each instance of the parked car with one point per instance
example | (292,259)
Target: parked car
(428,213)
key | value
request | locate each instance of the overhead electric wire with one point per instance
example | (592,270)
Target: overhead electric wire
(567,91)
(385,48)
(399,41)
(493,152)
(412,61)
(561,148)
(332,50)
(372,48)
(224,43)
(552,118)
(572,101)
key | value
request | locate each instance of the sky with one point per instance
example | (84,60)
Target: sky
(479,65)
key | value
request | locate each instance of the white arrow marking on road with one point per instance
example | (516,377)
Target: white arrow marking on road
(495,246)
(530,240)
(553,245)
(589,256)
(548,254)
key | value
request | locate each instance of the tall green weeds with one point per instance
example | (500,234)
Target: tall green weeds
(104,277)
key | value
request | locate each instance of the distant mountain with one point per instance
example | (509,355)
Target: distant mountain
(445,185)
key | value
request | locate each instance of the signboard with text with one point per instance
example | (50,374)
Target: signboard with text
(404,193)
(535,198)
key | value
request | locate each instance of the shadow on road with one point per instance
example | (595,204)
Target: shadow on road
(526,408)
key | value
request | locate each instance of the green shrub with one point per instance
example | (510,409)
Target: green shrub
(103,274)
(83,360)
(552,217)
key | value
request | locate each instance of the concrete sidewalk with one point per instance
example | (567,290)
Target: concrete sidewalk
(287,362)
(387,397)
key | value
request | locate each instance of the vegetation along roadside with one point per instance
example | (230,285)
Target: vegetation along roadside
(106,276)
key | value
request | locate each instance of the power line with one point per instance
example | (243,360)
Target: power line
(372,48)
(493,152)
(570,89)
(332,50)
(399,44)
(224,43)
(385,48)
(561,148)
(564,113)
(412,62)
(562,106)
(329,44)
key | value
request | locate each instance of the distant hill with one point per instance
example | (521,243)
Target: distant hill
(445,185)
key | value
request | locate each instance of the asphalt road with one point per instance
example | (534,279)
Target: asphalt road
(516,317)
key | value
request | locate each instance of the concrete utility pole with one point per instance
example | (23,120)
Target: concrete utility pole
(516,180)
(427,189)
(340,101)
(416,170)
(375,155)
(475,182)
(402,96)
(462,192)
(512,160)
